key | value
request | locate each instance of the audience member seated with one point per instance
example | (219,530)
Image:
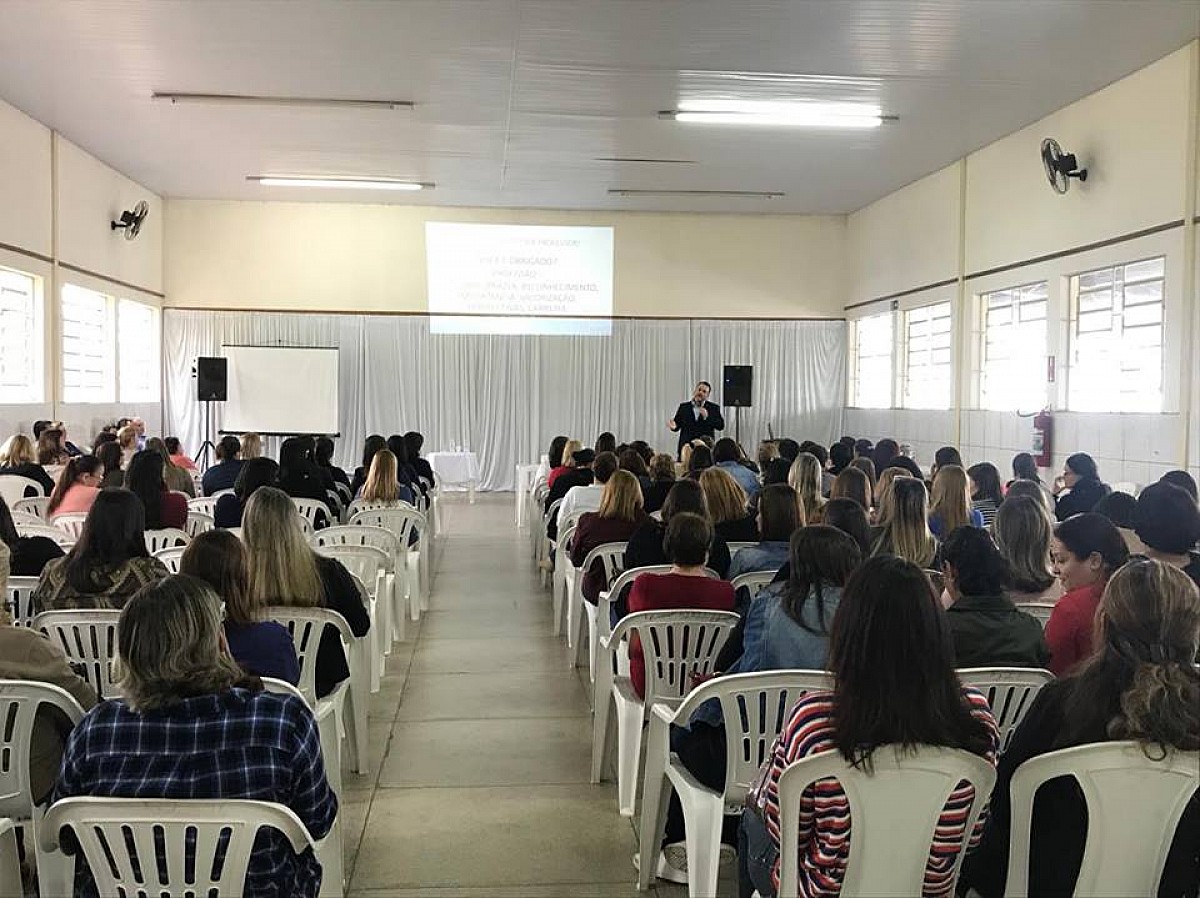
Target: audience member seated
(1167,522)
(986,494)
(1024,468)
(177,479)
(1120,508)
(190,724)
(947,455)
(67,447)
(254,473)
(1081,479)
(686,586)
(50,453)
(415,441)
(840,456)
(25,654)
(805,477)
(1184,481)
(1023,531)
(647,544)
(583,496)
(825,479)
(1086,550)
(107,565)
(697,458)
(864,464)
(849,517)
(884,453)
(251,444)
(620,514)
(284,570)
(950,505)
(177,455)
(371,445)
(606,442)
(323,456)
(631,460)
(780,513)
(144,478)
(987,628)
(768,451)
(852,483)
(905,463)
(893,667)
(405,472)
(662,478)
(77,487)
(1031,490)
(223,475)
(1140,686)
(127,439)
(906,533)
(299,476)
(788,450)
(727,456)
(109,456)
(382,486)
(883,494)
(27,555)
(262,647)
(16,457)
(727,506)
(557,459)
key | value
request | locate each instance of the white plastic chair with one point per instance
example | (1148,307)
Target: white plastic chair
(34,505)
(219,493)
(385,541)
(88,637)
(198,522)
(894,810)
(334,501)
(1133,808)
(1040,610)
(562,580)
(676,645)
(372,567)
(203,504)
(14,487)
(306,626)
(121,838)
(331,850)
(26,517)
(611,556)
(753,582)
(736,547)
(19,704)
(70,523)
(755,707)
(58,534)
(165,538)
(10,861)
(312,510)
(401,520)
(171,557)
(1010,691)
(542,544)
(20,600)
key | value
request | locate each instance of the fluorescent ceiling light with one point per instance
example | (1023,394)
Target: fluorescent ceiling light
(780,113)
(341,183)
(753,194)
(175,98)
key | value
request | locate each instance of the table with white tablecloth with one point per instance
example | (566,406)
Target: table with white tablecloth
(456,470)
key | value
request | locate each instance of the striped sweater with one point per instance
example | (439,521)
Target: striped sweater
(825,812)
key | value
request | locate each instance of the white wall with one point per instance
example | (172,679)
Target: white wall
(371,258)
(1135,137)
(57,202)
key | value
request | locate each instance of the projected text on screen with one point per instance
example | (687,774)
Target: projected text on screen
(515,279)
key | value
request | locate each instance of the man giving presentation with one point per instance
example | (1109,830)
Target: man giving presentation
(698,418)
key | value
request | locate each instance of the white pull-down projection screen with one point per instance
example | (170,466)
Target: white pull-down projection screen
(281,390)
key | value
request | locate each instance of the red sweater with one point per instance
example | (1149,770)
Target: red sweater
(663,592)
(1069,630)
(174,510)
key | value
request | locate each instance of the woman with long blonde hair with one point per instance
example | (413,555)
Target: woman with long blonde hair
(805,478)
(1139,685)
(566,462)
(382,485)
(883,494)
(906,533)
(950,507)
(16,457)
(284,570)
(1023,531)
(620,514)
(727,504)
(251,446)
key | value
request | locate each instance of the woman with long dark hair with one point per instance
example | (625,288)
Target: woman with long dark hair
(255,473)
(323,456)
(1140,685)
(145,480)
(107,565)
(77,487)
(851,518)
(986,494)
(299,476)
(1081,479)
(895,686)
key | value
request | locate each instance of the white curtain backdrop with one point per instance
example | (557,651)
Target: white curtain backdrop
(505,397)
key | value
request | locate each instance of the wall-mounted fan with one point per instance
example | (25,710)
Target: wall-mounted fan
(131,221)
(1060,167)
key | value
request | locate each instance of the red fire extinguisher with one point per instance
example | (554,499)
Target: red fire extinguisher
(1042,444)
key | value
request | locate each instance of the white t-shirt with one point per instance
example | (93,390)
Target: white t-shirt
(580,499)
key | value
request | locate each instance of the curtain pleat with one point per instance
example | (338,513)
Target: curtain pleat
(505,397)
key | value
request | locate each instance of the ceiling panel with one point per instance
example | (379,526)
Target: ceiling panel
(518,100)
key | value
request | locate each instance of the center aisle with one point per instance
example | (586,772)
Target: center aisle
(481,742)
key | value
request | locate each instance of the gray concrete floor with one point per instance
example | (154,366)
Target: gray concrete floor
(481,743)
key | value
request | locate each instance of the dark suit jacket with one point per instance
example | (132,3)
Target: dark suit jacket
(691,429)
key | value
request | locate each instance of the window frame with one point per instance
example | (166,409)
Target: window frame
(35,390)
(980,344)
(155,394)
(113,388)
(903,349)
(853,380)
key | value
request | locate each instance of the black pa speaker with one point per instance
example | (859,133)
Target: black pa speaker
(739,383)
(212,382)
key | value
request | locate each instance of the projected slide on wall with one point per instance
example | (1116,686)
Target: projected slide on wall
(519,279)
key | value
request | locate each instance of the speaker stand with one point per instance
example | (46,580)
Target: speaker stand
(737,424)
(207,449)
